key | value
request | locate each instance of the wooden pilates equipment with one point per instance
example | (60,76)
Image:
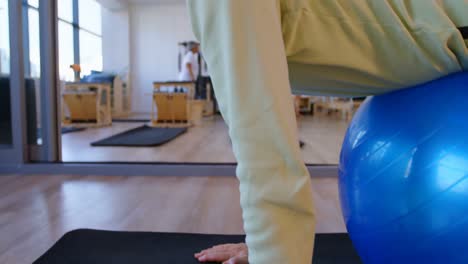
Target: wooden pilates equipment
(208,104)
(305,104)
(179,109)
(347,107)
(120,93)
(120,97)
(172,109)
(86,105)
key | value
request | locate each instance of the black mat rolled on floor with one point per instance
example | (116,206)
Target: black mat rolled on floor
(86,246)
(144,136)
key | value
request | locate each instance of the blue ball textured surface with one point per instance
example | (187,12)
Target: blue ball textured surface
(403,175)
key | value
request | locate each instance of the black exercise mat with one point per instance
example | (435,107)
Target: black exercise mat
(66,130)
(98,247)
(144,136)
(63,130)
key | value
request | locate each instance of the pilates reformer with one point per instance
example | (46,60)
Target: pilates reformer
(177,107)
(86,105)
(172,107)
(347,107)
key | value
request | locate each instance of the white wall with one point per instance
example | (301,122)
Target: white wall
(115,41)
(155,31)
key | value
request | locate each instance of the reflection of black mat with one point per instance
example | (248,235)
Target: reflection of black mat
(143,136)
(66,130)
(92,246)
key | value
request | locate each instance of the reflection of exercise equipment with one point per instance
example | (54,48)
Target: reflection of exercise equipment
(120,94)
(86,105)
(304,104)
(404,175)
(207,102)
(173,108)
(346,107)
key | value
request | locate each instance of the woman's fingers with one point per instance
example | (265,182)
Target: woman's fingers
(226,252)
(224,247)
(217,256)
(237,260)
(218,247)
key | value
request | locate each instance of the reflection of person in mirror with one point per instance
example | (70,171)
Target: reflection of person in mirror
(190,65)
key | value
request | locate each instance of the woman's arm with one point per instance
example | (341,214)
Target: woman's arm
(243,46)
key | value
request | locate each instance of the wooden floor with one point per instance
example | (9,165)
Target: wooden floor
(209,142)
(37,210)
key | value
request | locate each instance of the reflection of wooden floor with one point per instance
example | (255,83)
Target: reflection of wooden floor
(207,143)
(37,210)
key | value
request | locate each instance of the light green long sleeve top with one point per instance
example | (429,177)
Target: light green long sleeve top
(259,50)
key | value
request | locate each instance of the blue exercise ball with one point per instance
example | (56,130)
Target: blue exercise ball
(403,175)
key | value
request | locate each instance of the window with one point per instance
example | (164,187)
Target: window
(4,38)
(34,43)
(65,10)
(90,16)
(34,3)
(90,52)
(90,36)
(85,50)
(66,53)
(66,27)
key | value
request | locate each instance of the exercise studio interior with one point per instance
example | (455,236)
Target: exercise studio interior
(233,131)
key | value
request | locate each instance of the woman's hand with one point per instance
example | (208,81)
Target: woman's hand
(227,254)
